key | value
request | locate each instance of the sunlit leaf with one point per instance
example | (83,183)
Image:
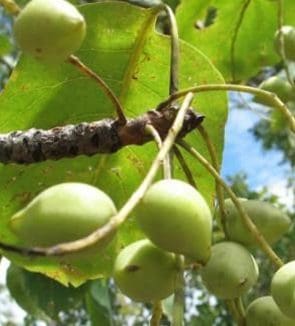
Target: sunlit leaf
(123,48)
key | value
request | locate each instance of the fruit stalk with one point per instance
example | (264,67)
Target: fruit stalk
(178,303)
(117,220)
(245,218)
(274,101)
(156,314)
(215,164)
(85,70)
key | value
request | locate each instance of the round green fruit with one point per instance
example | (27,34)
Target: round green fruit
(231,270)
(264,312)
(269,220)
(289,42)
(62,213)
(175,217)
(50,31)
(144,272)
(283,289)
(279,86)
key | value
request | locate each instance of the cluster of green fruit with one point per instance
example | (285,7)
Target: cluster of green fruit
(176,220)
(280,85)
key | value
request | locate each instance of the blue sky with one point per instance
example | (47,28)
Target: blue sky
(242,153)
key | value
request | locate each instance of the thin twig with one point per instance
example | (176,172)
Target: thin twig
(156,314)
(272,97)
(250,226)
(118,219)
(185,168)
(216,165)
(85,70)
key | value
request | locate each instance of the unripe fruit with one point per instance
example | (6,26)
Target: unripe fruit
(264,312)
(62,213)
(175,217)
(230,271)
(269,220)
(283,289)
(49,30)
(289,42)
(277,85)
(144,272)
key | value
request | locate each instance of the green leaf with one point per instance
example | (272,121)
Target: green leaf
(122,47)
(240,40)
(98,303)
(41,296)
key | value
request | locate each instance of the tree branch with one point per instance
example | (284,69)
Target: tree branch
(104,136)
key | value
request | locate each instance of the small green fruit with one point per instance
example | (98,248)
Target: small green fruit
(62,213)
(175,217)
(283,289)
(277,85)
(289,42)
(50,31)
(230,271)
(264,312)
(144,272)
(269,220)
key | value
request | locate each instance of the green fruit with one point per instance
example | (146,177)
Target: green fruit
(283,289)
(144,272)
(264,312)
(175,217)
(62,213)
(230,272)
(289,42)
(269,220)
(277,85)
(49,30)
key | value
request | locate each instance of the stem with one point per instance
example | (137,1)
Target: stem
(275,101)
(240,307)
(174,59)
(282,41)
(11,7)
(232,309)
(185,168)
(157,314)
(178,303)
(85,70)
(125,211)
(218,187)
(250,226)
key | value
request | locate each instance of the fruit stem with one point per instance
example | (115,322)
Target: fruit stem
(85,70)
(11,7)
(118,219)
(251,227)
(219,189)
(174,59)
(178,303)
(276,103)
(282,41)
(240,310)
(185,167)
(156,314)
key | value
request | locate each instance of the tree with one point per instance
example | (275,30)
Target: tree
(221,51)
